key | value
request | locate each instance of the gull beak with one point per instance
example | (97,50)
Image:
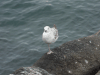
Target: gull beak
(45,30)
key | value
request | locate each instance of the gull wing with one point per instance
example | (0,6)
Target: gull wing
(55,31)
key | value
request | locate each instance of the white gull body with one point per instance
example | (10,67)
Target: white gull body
(50,35)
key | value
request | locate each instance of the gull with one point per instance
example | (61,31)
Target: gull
(50,35)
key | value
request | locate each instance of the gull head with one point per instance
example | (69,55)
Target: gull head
(46,28)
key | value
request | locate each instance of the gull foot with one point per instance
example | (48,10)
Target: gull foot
(49,52)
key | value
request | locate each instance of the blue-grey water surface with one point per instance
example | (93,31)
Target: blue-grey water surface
(22,23)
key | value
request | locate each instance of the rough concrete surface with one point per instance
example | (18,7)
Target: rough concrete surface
(77,57)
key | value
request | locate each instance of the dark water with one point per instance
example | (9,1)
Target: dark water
(22,22)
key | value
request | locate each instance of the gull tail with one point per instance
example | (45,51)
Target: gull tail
(55,26)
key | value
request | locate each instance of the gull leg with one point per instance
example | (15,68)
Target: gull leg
(49,50)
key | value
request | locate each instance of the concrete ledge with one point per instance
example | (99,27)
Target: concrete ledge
(77,57)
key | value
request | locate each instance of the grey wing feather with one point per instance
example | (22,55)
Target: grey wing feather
(55,32)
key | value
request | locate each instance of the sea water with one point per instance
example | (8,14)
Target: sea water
(22,24)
